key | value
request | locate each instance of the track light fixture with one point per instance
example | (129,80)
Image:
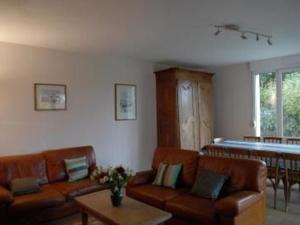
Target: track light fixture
(243,33)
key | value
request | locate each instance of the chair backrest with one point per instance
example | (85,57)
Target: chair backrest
(252,138)
(217,151)
(188,159)
(292,166)
(237,153)
(56,165)
(270,158)
(244,174)
(273,140)
(293,141)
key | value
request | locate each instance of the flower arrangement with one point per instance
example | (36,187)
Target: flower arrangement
(115,177)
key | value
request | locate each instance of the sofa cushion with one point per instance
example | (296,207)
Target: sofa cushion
(193,208)
(26,185)
(77,168)
(55,161)
(48,197)
(154,195)
(188,160)
(77,188)
(244,174)
(32,165)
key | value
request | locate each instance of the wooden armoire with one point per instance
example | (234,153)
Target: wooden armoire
(184,108)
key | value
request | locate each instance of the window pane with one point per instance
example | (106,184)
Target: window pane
(268,115)
(291,103)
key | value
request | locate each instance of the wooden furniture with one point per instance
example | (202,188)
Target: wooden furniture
(292,174)
(184,108)
(252,138)
(273,140)
(131,212)
(275,172)
(293,141)
(237,153)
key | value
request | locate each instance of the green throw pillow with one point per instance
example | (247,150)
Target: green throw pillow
(21,186)
(209,184)
(167,175)
(76,168)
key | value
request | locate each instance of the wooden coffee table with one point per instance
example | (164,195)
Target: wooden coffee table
(131,212)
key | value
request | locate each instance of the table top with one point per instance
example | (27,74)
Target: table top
(131,212)
(274,147)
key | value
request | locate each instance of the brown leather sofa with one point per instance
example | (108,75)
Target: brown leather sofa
(55,199)
(242,203)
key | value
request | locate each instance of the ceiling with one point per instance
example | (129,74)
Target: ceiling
(165,31)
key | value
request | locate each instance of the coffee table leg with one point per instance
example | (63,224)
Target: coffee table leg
(84,218)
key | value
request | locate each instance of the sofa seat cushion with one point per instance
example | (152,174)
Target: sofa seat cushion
(46,198)
(154,195)
(73,189)
(197,209)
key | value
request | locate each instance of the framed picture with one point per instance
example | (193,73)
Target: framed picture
(125,102)
(50,97)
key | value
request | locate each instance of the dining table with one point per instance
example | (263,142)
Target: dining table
(259,146)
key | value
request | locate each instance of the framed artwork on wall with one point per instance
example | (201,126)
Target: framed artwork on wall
(125,102)
(48,97)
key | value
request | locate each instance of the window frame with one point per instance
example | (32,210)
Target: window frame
(279,100)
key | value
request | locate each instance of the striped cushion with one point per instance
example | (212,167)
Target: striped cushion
(160,174)
(76,168)
(167,175)
(171,175)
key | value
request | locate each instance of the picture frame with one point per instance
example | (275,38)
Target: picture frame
(50,97)
(125,102)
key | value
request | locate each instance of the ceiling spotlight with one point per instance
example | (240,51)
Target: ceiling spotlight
(217,32)
(257,37)
(243,36)
(269,41)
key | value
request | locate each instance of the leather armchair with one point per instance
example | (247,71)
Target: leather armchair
(5,196)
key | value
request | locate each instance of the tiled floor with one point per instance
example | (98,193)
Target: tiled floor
(275,217)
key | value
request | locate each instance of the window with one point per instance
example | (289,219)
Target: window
(277,103)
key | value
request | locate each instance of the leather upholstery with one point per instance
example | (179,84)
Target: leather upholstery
(244,174)
(48,197)
(142,177)
(21,166)
(187,158)
(74,189)
(238,202)
(193,208)
(55,161)
(154,195)
(5,195)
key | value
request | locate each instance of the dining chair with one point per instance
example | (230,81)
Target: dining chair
(277,140)
(217,151)
(237,153)
(252,138)
(292,174)
(293,141)
(275,168)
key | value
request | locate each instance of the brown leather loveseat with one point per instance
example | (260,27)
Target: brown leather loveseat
(243,201)
(55,199)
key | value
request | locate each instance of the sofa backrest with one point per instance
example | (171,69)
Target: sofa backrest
(188,159)
(245,174)
(20,166)
(55,161)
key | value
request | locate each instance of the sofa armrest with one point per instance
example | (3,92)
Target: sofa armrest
(5,196)
(142,177)
(238,202)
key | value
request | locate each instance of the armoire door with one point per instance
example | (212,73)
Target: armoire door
(205,112)
(188,113)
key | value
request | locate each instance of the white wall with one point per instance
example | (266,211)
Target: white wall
(233,101)
(90,115)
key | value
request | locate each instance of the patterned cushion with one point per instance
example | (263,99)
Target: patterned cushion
(167,175)
(77,168)
(160,174)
